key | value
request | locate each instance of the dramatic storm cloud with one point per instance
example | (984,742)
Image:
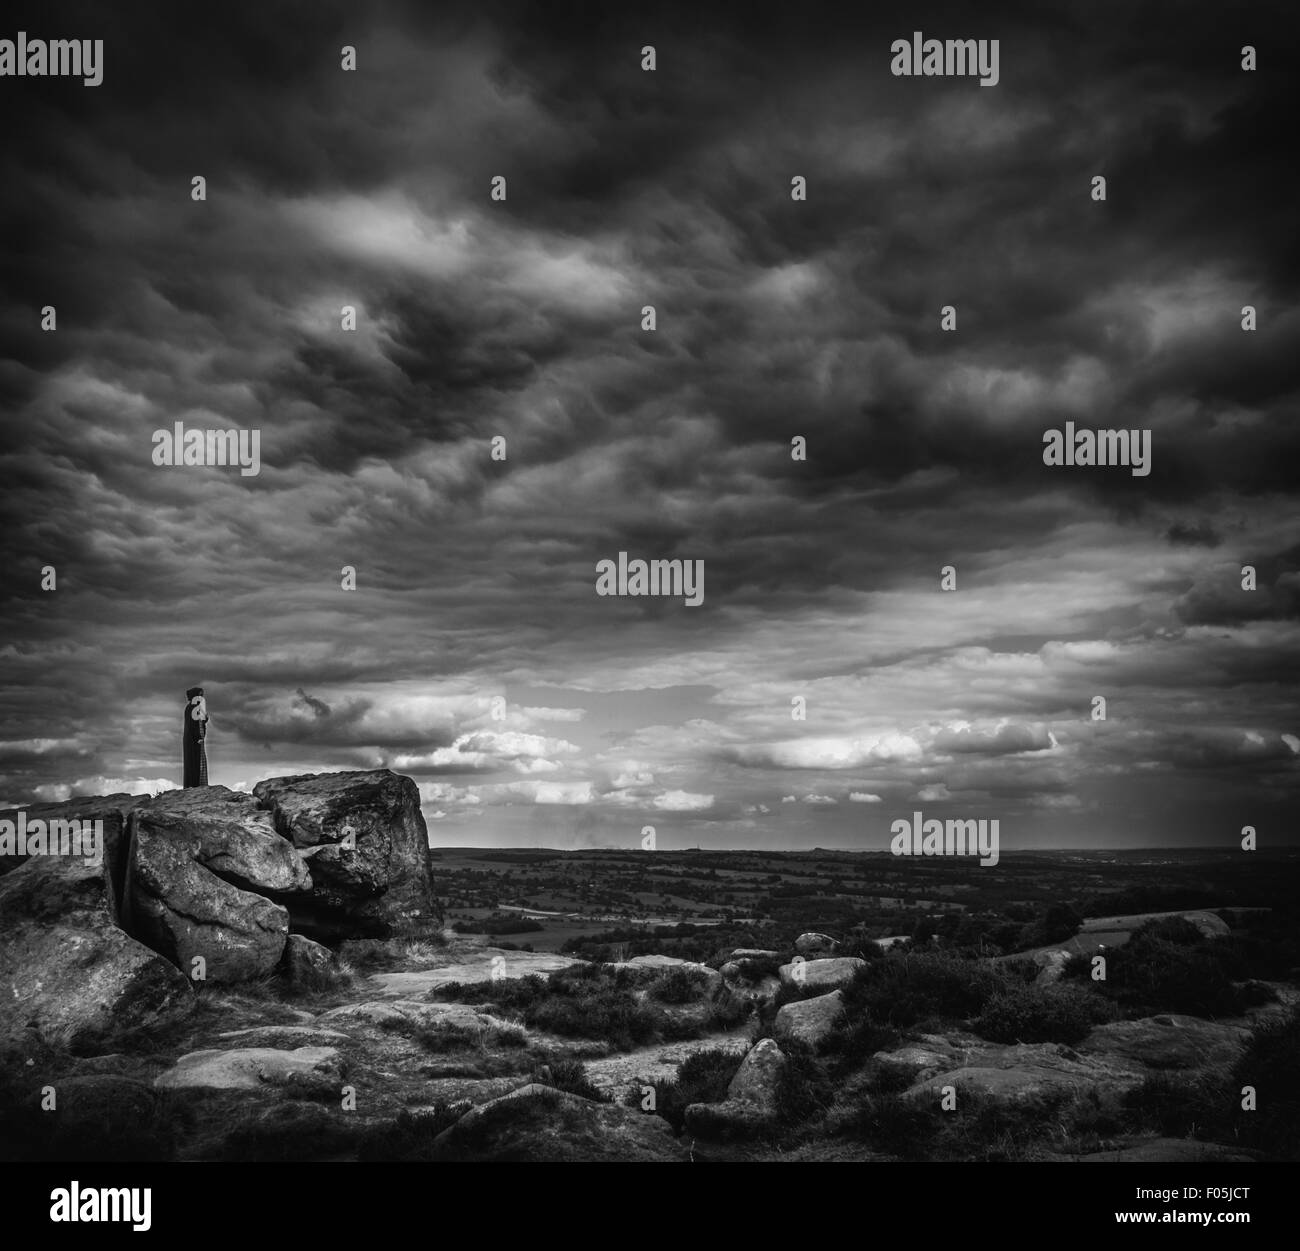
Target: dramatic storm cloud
(826,684)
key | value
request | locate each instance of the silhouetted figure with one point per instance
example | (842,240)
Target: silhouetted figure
(194,738)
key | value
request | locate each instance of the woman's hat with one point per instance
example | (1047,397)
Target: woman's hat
(193,691)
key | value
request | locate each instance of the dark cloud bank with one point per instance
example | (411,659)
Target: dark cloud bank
(474,653)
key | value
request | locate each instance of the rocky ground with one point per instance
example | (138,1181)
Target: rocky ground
(349,1073)
(172,1002)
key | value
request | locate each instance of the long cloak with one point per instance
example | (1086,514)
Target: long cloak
(194,740)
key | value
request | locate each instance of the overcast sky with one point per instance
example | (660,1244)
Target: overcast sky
(776,318)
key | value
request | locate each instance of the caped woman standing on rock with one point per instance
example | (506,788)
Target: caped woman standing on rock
(194,738)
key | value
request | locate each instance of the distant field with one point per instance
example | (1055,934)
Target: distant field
(848,895)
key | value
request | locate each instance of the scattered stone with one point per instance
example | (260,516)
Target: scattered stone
(306,962)
(830,974)
(314,1070)
(657,1063)
(538,1122)
(1114,1057)
(485,964)
(750,1105)
(1167,1041)
(419,1013)
(815,944)
(809,1020)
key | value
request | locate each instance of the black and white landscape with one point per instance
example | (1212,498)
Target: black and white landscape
(744,566)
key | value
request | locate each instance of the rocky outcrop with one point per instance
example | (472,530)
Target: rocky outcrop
(808,1020)
(67,971)
(829,974)
(365,840)
(205,872)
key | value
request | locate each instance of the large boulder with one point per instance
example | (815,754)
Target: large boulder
(538,1122)
(231,835)
(1113,1058)
(708,977)
(812,944)
(1167,1041)
(364,836)
(312,1071)
(750,1107)
(830,974)
(67,971)
(198,861)
(809,1020)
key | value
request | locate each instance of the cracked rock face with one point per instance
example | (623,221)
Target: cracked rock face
(367,845)
(202,864)
(184,910)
